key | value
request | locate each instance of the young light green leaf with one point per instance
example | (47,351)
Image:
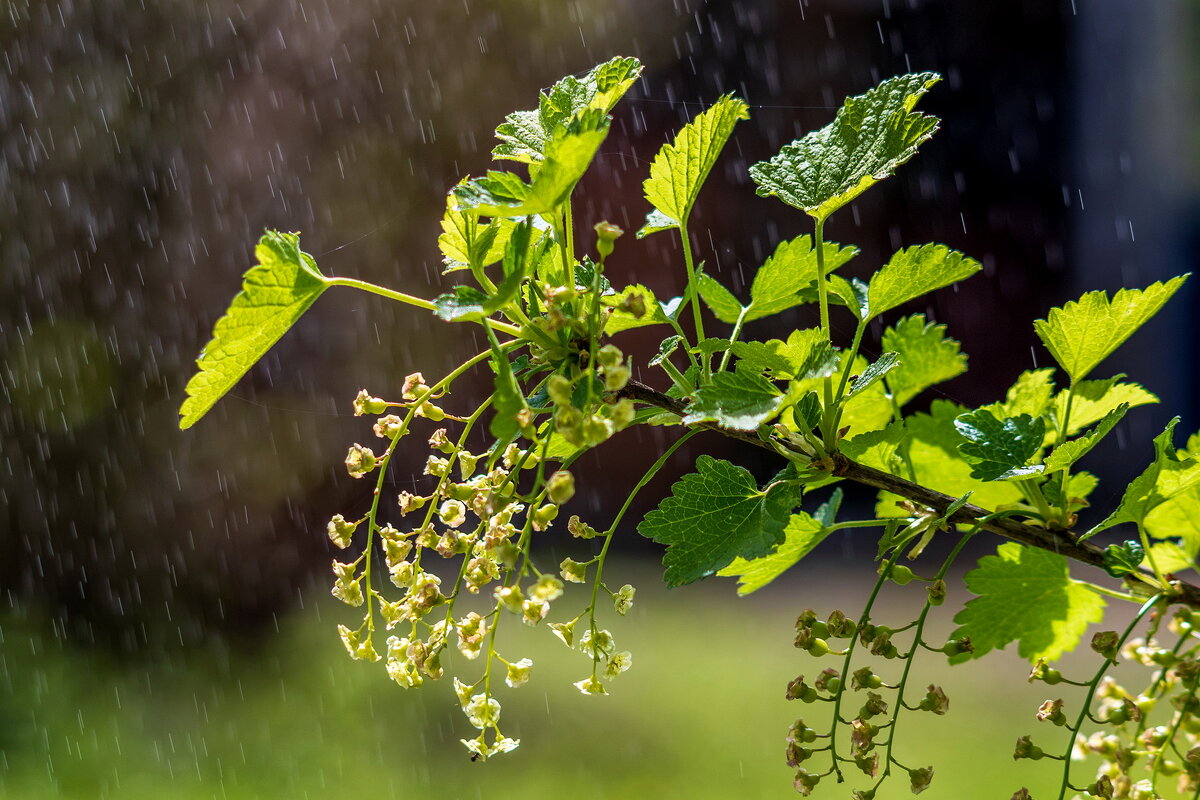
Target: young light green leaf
(1000,449)
(792,267)
(719,299)
(1080,485)
(853,294)
(524,135)
(1029,395)
(717,514)
(872,135)
(927,357)
(1086,331)
(679,169)
(805,354)
(567,157)
(739,401)
(879,449)
(915,271)
(1094,400)
(464,238)
(880,367)
(1026,594)
(461,304)
(634,307)
(802,534)
(656,221)
(1172,557)
(1178,518)
(1168,476)
(274,295)
(1067,453)
(932,448)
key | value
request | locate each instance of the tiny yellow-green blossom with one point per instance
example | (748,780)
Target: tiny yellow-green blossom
(623,599)
(437,467)
(410,502)
(560,390)
(544,516)
(439,441)
(573,571)
(510,597)
(518,673)
(547,589)
(364,403)
(580,529)
(389,427)
(597,643)
(560,486)
(413,384)
(618,663)
(345,587)
(360,460)
(534,611)
(590,686)
(565,631)
(340,531)
(453,513)
(483,711)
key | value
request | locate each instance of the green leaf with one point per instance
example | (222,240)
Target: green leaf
(853,294)
(1080,485)
(1094,400)
(872,135)
(880,367)
(461,304)
(1122,559)
(915,271)
(719,299)
(567,157)
(792,267)
(805,354)
(274,294)
(927,357)
(1179,518)
(679,169)
(1171,557)
(1168,476)
(715,515)
(739,401)
(1086,331)
(1067,453)
(932,446)
(524,135)
(507,402)
(627,302)
(1029,395)
(656,221)
(1000,449)
(802,534)
(1026,595)
(879,449)
(464,239)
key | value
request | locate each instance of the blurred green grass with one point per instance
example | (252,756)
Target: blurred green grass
(700,715)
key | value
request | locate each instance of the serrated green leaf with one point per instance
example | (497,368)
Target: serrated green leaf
(927,357)
(932,446)
(805,354)
(460,304)
(1081,485)
(853,294)
(656,221)
(567,157)
(1122,559)
(1029,395)
(1168,476)
(665,348)
(524,135)
(879,449)
(740,401)
(1178,518)
(1067,453)
(718,299)
(779,281)
(1026,595)
(1086,331)
(868,410)
(274,295)
(802,534)
(1171,557)
(463,238)
(1000,449)
(874,373)
(915,271)
(717,514)
(623,318)
(679,169)
(872,135)
(1096,399)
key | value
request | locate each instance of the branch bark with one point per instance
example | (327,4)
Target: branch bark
(1062,543)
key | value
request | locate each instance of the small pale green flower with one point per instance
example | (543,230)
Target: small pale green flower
(518,673)
(597,643)
(534,611)
(360,460)
(618,663)
(573,571)
(560,486)
(366,404)
(436,466)
(623,599)
(565,631)
(452,513)
(590,686)
(389,427)
(547,589)
(340,531)
(483,711)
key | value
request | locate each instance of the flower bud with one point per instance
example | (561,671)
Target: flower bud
(936,592)
(959,646)
(560,487)
(1027,749)
(623,599)
(389,427)
(919,779)
(606,234)
(900,574)
(340,531)
(560,390)
(360,460)
(366,404)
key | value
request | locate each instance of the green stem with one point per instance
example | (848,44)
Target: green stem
(733,337)
(829,418)
(676,376)
(1104,590)
(1150,556)
(569,232)
(1063,427)
(1091,693)
(409,299)
(692,296)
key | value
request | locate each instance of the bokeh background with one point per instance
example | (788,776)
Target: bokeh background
(165,627)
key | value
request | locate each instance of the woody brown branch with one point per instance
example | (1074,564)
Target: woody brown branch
(1059,542)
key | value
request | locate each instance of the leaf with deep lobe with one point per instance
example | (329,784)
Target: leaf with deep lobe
(274,295)
(802,534)
(872,135)
(740,401)
(1168,476)
(915,271)
(1086,331)
(567,157)
(927,357)
(717,514)
(719,299)
(1000,449)
(1026,594)
(792,267)
(880,367)
(623,318)
(1067,453)
(679,169)
(1096,399)
(524,135)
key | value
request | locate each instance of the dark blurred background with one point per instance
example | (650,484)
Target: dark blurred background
(146,145)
